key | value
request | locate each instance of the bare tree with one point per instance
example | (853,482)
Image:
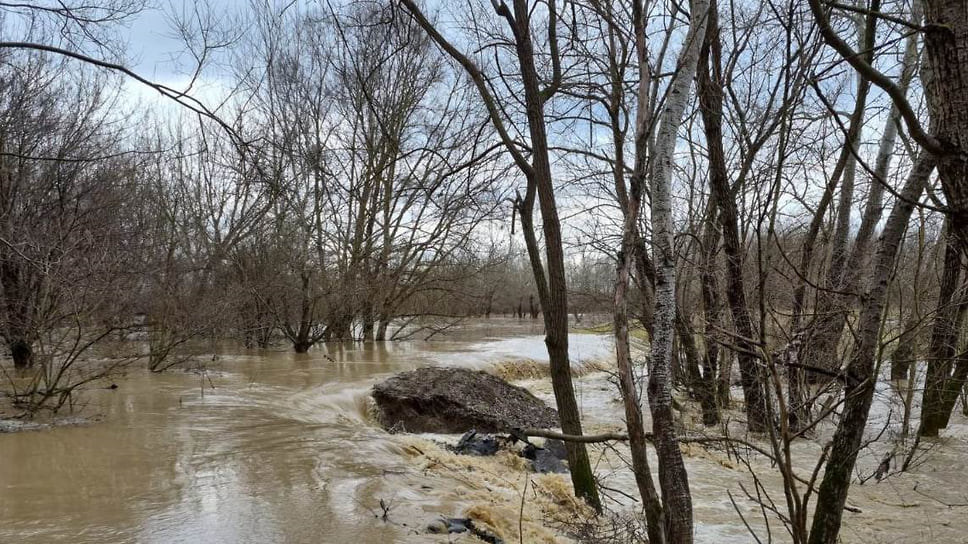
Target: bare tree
(536,168)
(62,254)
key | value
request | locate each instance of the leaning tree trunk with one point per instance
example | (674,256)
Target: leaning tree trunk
(823,336)
(846,270)
(843,171)
(554,303)
(537,171)
(556,341)
(860,375)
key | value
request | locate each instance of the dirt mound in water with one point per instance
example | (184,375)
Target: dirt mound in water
(454,400)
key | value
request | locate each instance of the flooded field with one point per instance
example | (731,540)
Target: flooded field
(268,447)
(273,446)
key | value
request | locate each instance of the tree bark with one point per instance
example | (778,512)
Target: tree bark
(555,301)
(303,341)
(711,106)
(552,294)
(860,378)
(946,89)
(381,328)
(709,394)
(673,478)
(939,383)
(22,353)
(627,384)
(631,204)
(697,375)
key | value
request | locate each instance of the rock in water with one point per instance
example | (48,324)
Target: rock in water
(557,448)
(474,444)
(462,525)
(454,400)
(545,460)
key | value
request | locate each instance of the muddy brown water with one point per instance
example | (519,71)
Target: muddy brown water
(280,450)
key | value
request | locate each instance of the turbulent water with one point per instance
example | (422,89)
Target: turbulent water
(277,447)
(268,447)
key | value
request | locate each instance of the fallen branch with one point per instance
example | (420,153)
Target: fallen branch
(583,439)
(609,437)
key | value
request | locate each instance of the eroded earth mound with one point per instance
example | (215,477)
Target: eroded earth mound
(454,400)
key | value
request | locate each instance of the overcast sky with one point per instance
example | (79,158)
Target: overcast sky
(153,46)
(157,53)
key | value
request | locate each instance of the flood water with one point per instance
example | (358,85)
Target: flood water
(270,446)
(275,447)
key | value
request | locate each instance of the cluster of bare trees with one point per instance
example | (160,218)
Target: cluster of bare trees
(69,237)
(338,189)
(380,165)
(760,230)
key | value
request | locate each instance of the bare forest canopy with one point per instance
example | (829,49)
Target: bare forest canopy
(775,192)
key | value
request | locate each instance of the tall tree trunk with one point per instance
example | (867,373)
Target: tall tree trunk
(554,297)
(946,89)
(627,383)
(939,384)
(709,395)
(843,171)
(711,106)
(860,378)
(630,202)
(369,326)
(673,479)
(553,290)
(303,341)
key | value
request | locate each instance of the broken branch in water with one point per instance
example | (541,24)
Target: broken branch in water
(585,439)
(609,437)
